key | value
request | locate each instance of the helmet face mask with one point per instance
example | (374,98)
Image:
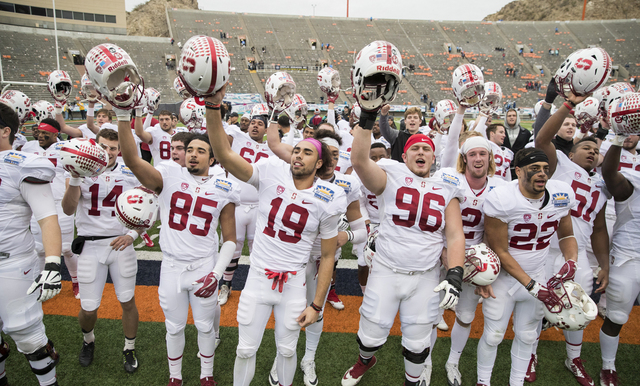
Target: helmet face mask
(481,266)
(329,81)
(492,97)
(298,109)
(279,91)
(192,113)
(41,110)
(180,89)
(444,113)
(59,85)
(376,75)
(587,112)
(571,308)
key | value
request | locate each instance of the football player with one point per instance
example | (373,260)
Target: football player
(82,131)
(473,171)
(158,137)
(292,212)
(357,234)
(25,190)
(502,156)
(103,120)
(48,146)
(589,223)
(252,147)
(178,142)
(624,286)
(191,203)
(419,212)
(520,219)
(104,246)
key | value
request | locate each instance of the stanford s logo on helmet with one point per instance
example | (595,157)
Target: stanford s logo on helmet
(376,75)
(42,110)
(114,75)
(204,66)
(192,113)
(587,112)
(137,208)
(583,72)
(481,265)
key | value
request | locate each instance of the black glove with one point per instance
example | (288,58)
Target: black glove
(552,91)
(368,118)
(452,286)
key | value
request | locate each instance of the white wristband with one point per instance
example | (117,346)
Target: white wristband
(58,110)
(618,140)
(90,111)
(75,181)
(139,113)
(52,259)
(133,234)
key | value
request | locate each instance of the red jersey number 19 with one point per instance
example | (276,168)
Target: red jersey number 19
(297,226)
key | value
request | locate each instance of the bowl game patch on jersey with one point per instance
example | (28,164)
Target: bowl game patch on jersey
(450,179)
(346,185)
(560,200)
(323,193)
(223,185)
(14,158)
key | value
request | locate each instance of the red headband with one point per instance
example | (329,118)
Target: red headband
(48,127)
(416,138)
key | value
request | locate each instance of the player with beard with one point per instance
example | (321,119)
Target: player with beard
(417,212)
(357,234)
(502,156)
(292,212)
(520,219)
(47,145)
(25,191)
(191,203)
(252,148)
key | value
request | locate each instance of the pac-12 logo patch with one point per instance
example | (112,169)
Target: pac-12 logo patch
(323,193)
(560,200)
(280,189)
(184,186)
(527,217)
(408,181)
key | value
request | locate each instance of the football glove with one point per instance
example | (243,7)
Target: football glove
(452,286)
(209,285)
(49,280)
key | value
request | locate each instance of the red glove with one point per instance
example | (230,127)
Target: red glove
(209,285)
(543,294)
(332,97)
(567,272)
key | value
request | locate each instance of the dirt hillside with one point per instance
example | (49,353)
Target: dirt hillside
(535,10)
(149,19)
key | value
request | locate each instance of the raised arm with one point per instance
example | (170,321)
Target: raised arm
(148,176)
(387,132)
(617,184)
(450,152)
(481,125)
(139,128)
(229,159)
(66,129)
(371,175)
(282,150)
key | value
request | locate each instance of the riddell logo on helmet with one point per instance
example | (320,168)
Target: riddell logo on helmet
(116,65)
(388,68)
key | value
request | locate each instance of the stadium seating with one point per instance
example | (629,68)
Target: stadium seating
(28,53)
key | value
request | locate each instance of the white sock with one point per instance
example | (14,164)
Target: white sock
(206,345)
(459,337)
(312,333)
(129,344)
(412,371)
(608,348)
(175,349)
(486,357)
(574,343)
(434,337)
(216,320)
(89,336)
(48,378)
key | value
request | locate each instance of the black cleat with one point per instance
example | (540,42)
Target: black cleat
(86,354)
(130,361)
(3,381)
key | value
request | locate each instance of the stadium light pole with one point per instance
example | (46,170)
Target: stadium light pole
(584,9)
(55,32)
(347,8)
(314,9)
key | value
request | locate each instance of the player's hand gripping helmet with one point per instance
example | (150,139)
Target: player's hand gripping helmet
(180,89)
(137,208)
(329,82)
(624,114)
(376,75)
(153,99)
(279,91)
(19,102)
(298,109)
(587,112)
(370,248)
(481,265)
(114,76)
(572,308)
(42,110)
(192,113)
(468,85)
(59,85)
(444,112)
(83,157)
(583,72)
(204,66)
(492,97)
(87,90)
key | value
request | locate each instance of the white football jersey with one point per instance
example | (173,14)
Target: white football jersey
(86,132)
(290,220)
(217,171)
(411,232)
(344,162)
(252,152)
(15,166)
(590,192)
(503,158)
(626,231)
(472,204)
(160,147)
(381,140)
(530,228)
(189,211)
(96,215)
(53,155)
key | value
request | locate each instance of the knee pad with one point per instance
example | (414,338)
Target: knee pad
(286,351)
(173,328)
(417,358)
(205,326)
(365,348)
(47,351)
(30,339)
(528,337)
(66,250)
(492,337)
(611,328)
(245,353)
(617,316)
(465,317)
(4,351)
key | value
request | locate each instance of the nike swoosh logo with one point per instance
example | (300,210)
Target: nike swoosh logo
(119,180)
(26,272)
(550,215)
(306,202)
(208,193)
(435,188)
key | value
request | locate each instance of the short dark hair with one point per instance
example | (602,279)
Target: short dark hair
(324,133)
(377,145)
(200,137)
(165,112)
(583,140)
(108,134)
(283,121)
(493,128)
(10,119)
(51,122)
(183,136)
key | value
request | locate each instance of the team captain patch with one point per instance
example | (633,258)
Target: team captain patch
(323,193)
(14,158)
(560,200)
(346,185)
(448,178)
(223,185)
